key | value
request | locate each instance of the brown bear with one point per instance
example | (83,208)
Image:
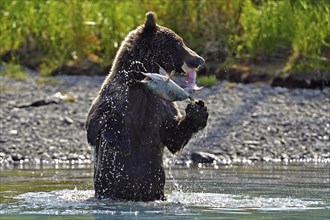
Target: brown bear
(129,126)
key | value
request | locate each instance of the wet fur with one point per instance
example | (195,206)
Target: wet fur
(130,127)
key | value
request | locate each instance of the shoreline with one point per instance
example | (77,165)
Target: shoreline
(248,123)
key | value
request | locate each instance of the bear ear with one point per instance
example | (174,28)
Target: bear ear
(150,24)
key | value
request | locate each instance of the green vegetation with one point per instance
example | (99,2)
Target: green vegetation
(43,80)
(14,71)
(207,80)
(47,33)
(297,31)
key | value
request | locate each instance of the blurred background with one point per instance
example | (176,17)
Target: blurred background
(238,38)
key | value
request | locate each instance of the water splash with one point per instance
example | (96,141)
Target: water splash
(137,65)
(171,162)
(201,136)
(73,202)
(215,200)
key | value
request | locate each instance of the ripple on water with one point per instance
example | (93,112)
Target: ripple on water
(73,202)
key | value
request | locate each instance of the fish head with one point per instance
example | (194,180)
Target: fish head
(148,78)
(152,81)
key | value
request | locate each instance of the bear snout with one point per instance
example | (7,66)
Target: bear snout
(195,62)
(201,61)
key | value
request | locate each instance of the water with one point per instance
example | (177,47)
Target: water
(272,191)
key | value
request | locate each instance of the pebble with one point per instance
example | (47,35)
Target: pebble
(247,123)
(203,157)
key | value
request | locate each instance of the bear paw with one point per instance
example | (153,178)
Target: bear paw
(197,113)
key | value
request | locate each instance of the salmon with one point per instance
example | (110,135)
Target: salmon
(164,87)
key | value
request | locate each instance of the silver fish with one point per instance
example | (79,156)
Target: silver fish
(164,87)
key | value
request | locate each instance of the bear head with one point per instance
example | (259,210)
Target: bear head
(150,46)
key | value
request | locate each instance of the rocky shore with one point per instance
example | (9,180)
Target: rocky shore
(247,123)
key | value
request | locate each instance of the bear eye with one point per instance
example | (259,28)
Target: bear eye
(179,45)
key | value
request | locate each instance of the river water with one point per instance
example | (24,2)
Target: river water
(246,191)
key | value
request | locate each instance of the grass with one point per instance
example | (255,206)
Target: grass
(210,80)
(43,80)
(4,87)
(48,33)
(280,30)
(14,71)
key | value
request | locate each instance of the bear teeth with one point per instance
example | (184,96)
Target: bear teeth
(185,67)
(183,74)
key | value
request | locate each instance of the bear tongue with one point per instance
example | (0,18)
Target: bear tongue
(191,76)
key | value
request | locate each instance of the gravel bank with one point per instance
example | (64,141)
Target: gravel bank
(246,123)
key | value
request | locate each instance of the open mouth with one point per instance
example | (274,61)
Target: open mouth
(189,73)
(185,78)
(147,78)
(182,71)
